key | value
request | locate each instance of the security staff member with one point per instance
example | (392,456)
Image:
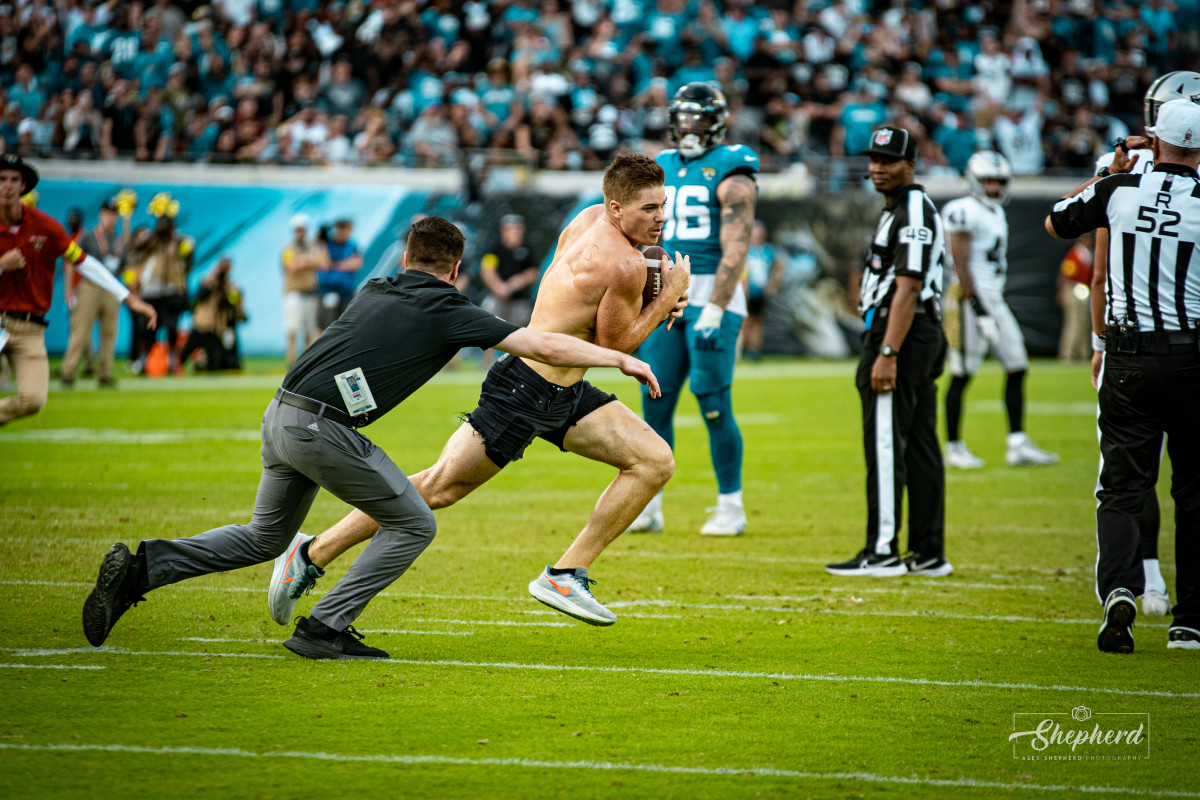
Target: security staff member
(31,243)
(1150,376)
(903,353)
(394,336)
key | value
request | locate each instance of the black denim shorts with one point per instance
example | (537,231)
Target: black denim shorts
(516,406)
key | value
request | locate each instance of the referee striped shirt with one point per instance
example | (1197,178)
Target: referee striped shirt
(909,242)
(1154,225)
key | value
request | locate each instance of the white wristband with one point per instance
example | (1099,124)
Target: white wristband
(1097,343)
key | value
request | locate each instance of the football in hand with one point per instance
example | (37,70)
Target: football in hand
(654,255)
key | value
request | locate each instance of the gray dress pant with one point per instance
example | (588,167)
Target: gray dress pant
(302,453)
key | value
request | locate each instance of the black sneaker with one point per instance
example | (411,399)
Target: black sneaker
(117,588)
(1120,609)
(928,566)
(868,563)
(314,640)
(1180,638)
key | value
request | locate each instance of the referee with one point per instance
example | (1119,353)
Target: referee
(903,353)
(1150,375)
(394,336)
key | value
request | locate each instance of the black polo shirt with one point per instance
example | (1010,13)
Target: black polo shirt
(513,262)
(400,331)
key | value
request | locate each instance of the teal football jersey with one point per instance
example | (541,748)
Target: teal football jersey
(693,225)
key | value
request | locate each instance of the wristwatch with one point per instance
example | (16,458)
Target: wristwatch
(887,351)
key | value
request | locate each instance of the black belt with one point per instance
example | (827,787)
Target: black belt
(26,316)
(925,307)
(320,409)
(1149,341)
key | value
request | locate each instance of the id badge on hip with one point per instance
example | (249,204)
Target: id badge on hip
(356,394)
(3,338)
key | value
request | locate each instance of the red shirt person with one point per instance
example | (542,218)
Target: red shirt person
(31,242)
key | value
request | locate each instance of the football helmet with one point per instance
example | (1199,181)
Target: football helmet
(989,165)
(1182,84)
(698,115)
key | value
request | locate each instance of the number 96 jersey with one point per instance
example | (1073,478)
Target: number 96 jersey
(693,225)
(988,227)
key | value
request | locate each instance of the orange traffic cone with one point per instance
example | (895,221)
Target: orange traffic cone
(158,360)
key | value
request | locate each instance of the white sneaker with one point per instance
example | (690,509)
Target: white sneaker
(649,521)
(291,578)
(726,521)
(1024,453)
(957,455)
(1155,603)
(571,594)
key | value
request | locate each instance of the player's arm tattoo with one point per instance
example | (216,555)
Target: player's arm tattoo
(738,195)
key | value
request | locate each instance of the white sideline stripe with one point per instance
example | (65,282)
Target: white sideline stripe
(702,673)
(51,666)
(674,604)
(502,622)
(604,766)
(31,653)
(75,436)
(544,612)
(410,631)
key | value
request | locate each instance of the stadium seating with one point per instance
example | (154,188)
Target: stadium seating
(564,85)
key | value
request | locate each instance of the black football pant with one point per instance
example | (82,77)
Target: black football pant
(1142,396)
(901,444)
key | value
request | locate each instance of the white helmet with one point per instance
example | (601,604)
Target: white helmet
(988,165)
(1181,85)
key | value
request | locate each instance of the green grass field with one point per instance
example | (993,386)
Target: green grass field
(737,668)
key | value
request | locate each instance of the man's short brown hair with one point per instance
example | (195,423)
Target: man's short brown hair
(435,245)
(628,174)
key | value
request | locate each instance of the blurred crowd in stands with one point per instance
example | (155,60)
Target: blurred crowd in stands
(564,84)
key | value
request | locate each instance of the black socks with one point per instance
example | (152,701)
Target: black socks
(1014,400)
(954,398)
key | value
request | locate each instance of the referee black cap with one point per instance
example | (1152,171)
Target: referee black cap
(11,161)
(892,143)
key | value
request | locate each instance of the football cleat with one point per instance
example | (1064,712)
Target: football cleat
(727,520)
(571,594)
(649,521)
(1180,638)
(1155,603)
(959,457)
(1120,610)
(1022,452)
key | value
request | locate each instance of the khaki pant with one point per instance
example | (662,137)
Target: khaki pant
(1075,343)
(26,351)
(93,305)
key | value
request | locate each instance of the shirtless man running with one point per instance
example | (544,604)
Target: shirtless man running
(592,290)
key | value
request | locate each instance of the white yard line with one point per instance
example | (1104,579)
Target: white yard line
(36,652)
(701,673)
(743,772)
(51,666)
(785,609)
(500,622)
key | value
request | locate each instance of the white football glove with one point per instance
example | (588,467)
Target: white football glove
(989,328)
(709,323)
